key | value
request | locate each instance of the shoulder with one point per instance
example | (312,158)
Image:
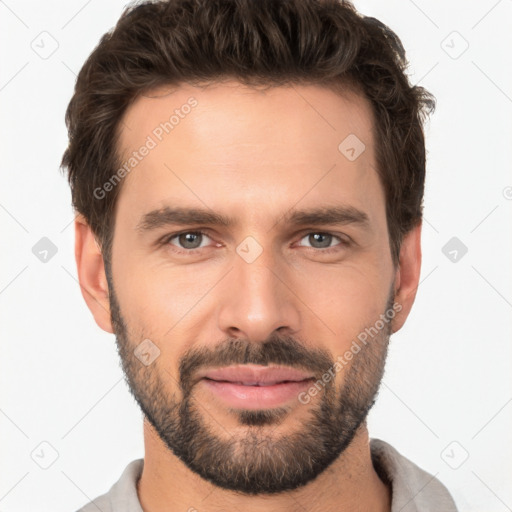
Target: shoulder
(122,496)
(100,503)
(413,489)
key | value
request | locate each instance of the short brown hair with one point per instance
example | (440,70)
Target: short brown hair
(256,42)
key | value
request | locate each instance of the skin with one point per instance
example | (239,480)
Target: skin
(253,155)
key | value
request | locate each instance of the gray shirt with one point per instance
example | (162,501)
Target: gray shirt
(413,490)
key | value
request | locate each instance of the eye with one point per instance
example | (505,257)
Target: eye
(322,241)
(188,240)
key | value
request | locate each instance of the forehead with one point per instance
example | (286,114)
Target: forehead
(230,112)
(230,144)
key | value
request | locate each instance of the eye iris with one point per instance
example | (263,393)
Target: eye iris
(185,239)
(325,239)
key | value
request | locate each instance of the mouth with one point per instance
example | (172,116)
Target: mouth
(255,375)
(253,383)
(255,387)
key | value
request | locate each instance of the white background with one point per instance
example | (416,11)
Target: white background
(448,376)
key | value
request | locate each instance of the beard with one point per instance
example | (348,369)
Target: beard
(254,460)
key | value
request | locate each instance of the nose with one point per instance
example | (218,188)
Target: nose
(258,299)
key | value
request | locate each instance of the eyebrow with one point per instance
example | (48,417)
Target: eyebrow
(341,215)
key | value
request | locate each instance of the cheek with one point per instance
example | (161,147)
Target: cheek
(158,301)
(346,300)
(173,305)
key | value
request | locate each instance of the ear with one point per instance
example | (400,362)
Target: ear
(407,275)
(91,274)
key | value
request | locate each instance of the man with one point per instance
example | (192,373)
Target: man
(248,178)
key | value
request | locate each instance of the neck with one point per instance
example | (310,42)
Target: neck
(350,484)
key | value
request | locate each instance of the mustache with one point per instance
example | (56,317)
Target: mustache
(283,351)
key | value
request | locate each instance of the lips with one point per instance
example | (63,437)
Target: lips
(253,387)
(254,375)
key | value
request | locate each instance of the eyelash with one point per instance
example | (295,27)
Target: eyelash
(167,239)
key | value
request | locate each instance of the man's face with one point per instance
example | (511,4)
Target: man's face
(266,290)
